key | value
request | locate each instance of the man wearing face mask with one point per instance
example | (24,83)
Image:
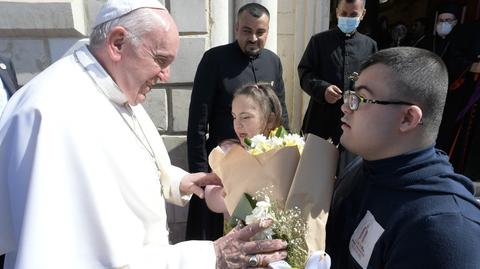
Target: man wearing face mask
(445,28)
(324,70)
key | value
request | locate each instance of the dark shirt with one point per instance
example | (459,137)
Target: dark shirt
(329,59)
(221,72)
(427,215)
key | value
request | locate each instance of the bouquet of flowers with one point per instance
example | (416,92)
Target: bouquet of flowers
(277,139)
(288,225)
(298,174)
(265,163)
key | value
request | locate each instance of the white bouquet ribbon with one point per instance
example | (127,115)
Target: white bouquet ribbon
(318,260)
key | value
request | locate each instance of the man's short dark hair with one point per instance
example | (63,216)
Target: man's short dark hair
(254,9)
(419,77)
(350,2)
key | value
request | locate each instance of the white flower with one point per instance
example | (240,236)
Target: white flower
(318,260)
(261,144)
(261,212)
(257,140)
(277,142)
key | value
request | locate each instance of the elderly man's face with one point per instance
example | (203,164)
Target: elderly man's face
(148,63)
(251,33)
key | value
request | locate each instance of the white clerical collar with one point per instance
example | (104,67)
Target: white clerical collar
(100,76)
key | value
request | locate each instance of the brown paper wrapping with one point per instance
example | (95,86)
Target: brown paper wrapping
(242,172)
(305,182)
(312,188)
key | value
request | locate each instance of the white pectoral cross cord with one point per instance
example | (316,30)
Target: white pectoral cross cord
(135,126)
(128,116)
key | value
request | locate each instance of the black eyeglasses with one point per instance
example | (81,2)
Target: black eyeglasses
(353,100)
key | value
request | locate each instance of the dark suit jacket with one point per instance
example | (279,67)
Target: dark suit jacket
(8,76)
(330,58)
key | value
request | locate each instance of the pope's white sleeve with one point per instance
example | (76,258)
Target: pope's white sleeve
(184,255)
(172,194)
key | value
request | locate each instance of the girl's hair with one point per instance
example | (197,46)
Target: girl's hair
(266,97)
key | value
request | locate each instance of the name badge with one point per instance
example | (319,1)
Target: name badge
(364,239)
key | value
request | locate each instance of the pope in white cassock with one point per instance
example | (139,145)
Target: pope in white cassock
(84,174)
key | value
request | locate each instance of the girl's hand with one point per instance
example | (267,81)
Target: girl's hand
(214,198)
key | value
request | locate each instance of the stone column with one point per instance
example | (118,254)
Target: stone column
(220,17)
(272,6)
(311,17)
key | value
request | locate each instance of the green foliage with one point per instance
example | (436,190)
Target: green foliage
(247,141)
(281,132)
(244,208)
(289,226)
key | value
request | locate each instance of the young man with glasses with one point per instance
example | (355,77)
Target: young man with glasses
(400,205)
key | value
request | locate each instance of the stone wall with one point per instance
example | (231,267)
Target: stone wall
(37,33)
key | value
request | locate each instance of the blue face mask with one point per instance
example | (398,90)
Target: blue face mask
(444,28)
(348,24)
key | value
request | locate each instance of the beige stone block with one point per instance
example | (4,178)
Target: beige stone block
(177,222)
(177,232)
(43,18)
(59,46)
(189,55)
(180,107)
(286,24)
(177,150)
(286,6)
(29,56)
(287,56)
(190,15)
(156,106)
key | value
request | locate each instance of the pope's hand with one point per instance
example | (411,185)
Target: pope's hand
(193,183)
(235,250)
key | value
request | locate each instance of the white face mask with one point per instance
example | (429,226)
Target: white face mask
(444,28)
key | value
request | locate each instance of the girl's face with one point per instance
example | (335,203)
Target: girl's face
(248,118)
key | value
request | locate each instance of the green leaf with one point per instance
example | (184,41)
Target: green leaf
(247,141)
(281,132)
(244,208)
